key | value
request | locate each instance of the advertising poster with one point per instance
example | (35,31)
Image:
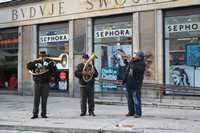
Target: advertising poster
(109,73)
(116,62)
(193,55)
(181,75)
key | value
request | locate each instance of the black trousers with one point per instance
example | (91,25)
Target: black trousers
(41,90)
(87,94)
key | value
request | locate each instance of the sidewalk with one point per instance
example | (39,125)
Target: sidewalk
(171,116)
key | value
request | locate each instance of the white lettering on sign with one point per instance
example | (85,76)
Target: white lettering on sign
(183,27)
(113,33)
(54,38)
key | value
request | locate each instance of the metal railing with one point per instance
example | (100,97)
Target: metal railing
(172,88)
(152,86)
(118,83)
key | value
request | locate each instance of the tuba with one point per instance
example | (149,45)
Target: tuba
(44,69)
(89,67)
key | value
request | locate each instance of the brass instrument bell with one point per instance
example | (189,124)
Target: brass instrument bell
(44,69)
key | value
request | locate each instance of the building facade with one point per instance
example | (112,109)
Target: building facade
(168,31)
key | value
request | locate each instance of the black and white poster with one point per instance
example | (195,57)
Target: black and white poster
(181,75)
(114,61)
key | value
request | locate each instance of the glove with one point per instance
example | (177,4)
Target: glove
(45,63)
(38,65)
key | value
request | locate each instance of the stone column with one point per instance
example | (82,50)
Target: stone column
(159,47)
(20,61)
(71,59)
(34,50)
(136,28)
(89,36)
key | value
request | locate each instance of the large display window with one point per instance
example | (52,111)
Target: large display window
(54,39)
(9,59)
(182,50)
(110,39)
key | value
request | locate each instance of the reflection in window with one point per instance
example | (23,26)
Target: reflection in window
(178,51)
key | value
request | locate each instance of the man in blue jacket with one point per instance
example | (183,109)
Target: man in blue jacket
(133,79)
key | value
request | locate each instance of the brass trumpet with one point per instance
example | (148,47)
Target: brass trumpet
(86,67)
(125,56)
(44,69)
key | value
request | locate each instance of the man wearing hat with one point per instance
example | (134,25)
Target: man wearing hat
(41,82)
(133,79)
(86,88)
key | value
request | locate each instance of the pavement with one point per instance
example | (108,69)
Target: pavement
(170,116)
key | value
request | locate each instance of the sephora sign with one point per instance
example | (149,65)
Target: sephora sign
(54,38)
(113,33)
(183,27)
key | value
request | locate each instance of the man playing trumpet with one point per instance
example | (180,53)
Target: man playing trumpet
(41,82)
(133,79)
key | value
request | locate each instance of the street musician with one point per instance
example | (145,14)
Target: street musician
(86,84)
(41,82)
(133,79)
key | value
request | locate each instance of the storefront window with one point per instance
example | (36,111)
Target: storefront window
(182,50)
(56,44)
(111,39)
(8,60)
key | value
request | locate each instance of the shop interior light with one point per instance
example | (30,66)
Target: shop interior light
(189,20)
(193,39)
(175,20)
(184,39)
(114,27)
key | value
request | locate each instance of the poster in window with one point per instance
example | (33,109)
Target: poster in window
(111,74)
(193,55)
(181,75)
(115,61)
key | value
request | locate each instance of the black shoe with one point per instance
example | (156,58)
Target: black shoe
(44,116)
(91,114)
(34,116)
(82,114)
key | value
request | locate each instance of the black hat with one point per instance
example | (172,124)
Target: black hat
(85,56)
(42,53)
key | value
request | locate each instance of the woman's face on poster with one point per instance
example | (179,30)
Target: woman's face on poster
(176,78)
(116,54)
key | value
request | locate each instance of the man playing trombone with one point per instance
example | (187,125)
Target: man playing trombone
(133,79)
(41,82)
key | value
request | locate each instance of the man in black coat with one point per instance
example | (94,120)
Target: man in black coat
(86,88)
(41,82)
(133,79)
